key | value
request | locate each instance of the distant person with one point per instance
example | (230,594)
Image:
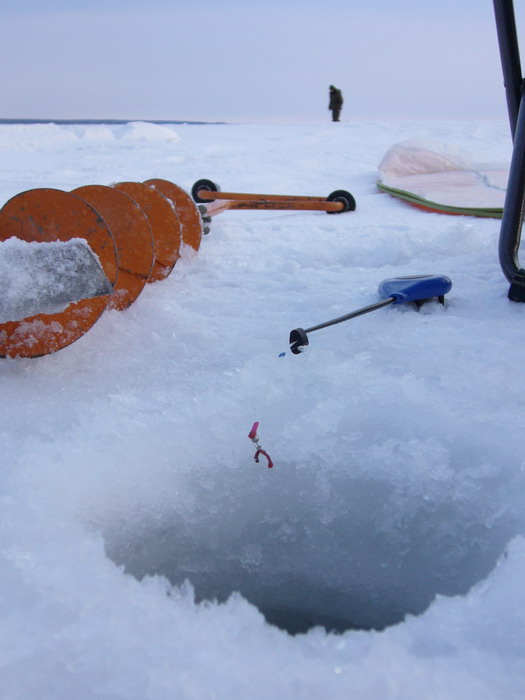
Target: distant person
(336,103)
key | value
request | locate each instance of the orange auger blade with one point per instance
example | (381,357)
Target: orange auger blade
(164,224)
(187,211)
(53,215)
(133,238)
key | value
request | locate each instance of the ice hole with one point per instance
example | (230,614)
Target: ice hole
(319,548)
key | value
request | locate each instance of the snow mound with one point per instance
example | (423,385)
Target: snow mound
(145,131)
(35,136)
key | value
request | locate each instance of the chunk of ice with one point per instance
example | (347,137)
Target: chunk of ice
(45,277)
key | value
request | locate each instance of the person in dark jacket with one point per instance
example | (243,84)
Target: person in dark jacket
(336,103)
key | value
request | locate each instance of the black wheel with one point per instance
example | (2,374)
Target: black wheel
(208,185)
(344,197)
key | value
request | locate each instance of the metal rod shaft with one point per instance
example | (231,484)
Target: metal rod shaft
(513,210)
(295,205)
(218,206)
(510,57)
(353,314)
(211,194)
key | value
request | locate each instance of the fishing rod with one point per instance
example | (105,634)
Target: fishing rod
(396,290)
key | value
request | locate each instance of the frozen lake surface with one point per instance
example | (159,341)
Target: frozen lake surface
(145,555)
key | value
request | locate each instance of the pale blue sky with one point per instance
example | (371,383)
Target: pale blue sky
(260,60)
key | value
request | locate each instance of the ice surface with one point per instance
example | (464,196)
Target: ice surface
(397,494)
(45,277)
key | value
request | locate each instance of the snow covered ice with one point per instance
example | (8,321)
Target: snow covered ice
(145,555)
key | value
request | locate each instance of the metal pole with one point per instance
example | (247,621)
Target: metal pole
(353,314)
(512,220)
(212,195)
(299,336)
(513,210)
(510,57)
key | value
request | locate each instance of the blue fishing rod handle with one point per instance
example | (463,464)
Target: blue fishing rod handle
(414,288)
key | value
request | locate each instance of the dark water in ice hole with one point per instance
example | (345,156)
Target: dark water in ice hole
(364,566)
